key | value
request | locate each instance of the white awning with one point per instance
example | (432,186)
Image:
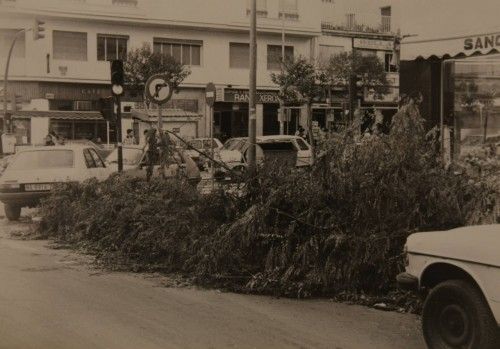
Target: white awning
(458,46)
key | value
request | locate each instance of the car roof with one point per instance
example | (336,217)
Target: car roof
(55,147)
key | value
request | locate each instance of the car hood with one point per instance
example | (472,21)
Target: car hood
(480,244)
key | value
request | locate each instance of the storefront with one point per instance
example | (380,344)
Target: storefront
(459,79)
(231,113)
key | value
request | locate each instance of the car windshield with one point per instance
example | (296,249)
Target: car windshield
(43,159)
(234,144)
(131,156)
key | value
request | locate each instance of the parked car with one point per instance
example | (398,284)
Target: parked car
(102,149)
(135,163)
(234,152)
(458,273)
(4,162)
(205,145)
(33,172)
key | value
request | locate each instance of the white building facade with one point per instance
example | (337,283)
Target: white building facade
(61,77)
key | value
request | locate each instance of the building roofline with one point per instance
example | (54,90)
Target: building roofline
(143,20)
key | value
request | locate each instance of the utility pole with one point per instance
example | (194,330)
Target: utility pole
(252,119)
(282,105)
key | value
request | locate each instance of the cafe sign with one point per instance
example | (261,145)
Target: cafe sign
(243,96)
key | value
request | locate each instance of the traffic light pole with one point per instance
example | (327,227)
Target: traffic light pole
(119,132)
(6,117)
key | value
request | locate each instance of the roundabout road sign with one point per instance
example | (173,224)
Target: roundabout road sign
(158,89)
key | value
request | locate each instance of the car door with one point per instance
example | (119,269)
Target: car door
(304,152)
(100,170)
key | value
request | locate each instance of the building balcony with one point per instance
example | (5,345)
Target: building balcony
(360,23)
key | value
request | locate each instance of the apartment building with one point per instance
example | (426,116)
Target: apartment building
(369,27)
(61,77)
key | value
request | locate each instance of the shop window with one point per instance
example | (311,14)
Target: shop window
(111,47)
(70,46)
(187,52)
(274,53)
(239,55)
(21,129)
(6,38)
(471,89)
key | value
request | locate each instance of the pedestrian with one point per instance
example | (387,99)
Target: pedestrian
(300,132)
(129,139)
(48,140)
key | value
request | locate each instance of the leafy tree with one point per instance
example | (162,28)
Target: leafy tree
(300,82)
(369,69)
(142,63)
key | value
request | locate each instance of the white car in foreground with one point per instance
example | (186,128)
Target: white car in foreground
(33,172)
(458,272)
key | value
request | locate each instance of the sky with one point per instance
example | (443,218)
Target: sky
(445,18)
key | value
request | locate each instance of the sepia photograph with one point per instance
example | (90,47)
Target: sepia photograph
(318,174)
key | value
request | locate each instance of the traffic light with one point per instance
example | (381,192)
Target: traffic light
(105,106)
(117,78)
(38,30)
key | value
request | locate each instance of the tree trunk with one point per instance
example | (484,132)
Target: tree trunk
(310,132)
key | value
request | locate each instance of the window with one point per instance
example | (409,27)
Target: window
(261,8)
(187,52)
(390,67)
(71,46)
(274,53)
(289,9)
(302,144)
(111,47)
(89,161)
(6,37)
(239,55)
(43,159)
(97,159)
(125,2)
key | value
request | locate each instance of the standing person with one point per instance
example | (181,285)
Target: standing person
(48,140)
(300,132)
(129,139)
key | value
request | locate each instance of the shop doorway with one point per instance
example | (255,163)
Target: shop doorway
(271,125)
(230,120)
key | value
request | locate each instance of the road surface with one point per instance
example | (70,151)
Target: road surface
(54,298)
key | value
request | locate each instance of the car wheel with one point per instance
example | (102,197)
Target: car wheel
(456,315)
(12,212)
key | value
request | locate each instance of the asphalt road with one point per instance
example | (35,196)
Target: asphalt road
(54,298)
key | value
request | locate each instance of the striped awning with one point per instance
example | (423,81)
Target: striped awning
(96,116)
(452,47)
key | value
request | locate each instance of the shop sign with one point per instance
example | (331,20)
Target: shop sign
(380,45)
(486,42)
(391,97)
(243,96)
